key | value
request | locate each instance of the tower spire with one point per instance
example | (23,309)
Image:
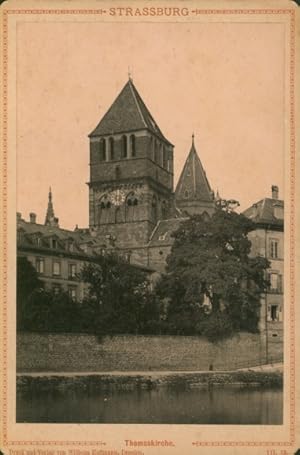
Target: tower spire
(129,74)
(50,219)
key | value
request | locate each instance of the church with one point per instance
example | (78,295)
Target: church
(132,200)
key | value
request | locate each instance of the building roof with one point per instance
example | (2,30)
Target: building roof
(193,184)
(268,211)
(127,113)
(162,233)
(32,231)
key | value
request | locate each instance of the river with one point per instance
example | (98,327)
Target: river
(216,405)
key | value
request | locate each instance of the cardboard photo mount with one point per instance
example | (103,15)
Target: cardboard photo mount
(22,29)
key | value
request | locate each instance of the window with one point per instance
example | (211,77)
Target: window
(56,287)
(186,194)
(131,208)
(124,147)
(274,248)
(38,240)
(40,265)
(72,291)
(104,212)
(56,268)
(278,212)
(70,246)
(111,148)
(276,282)
(72,271)
(274,312)
(53,243)
(132,145)
(102,150)
(164,209)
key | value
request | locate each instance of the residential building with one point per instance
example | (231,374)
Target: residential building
(268,241)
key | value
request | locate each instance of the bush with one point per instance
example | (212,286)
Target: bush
(216,327)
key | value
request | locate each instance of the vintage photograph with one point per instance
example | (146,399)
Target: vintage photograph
(150,221)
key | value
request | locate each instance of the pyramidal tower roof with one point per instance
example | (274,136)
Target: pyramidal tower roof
(193,184)
(127,113)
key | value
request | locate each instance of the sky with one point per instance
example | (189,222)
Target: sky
(224,82)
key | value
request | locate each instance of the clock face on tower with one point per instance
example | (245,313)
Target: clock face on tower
(117,197)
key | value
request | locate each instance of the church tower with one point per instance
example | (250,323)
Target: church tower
(193,194)
(131,172)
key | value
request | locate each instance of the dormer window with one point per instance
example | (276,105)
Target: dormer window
(53,244)
(71,246)
(278,212)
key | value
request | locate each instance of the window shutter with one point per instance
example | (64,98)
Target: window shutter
(280,283)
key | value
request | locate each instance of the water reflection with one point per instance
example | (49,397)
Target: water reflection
(217,405)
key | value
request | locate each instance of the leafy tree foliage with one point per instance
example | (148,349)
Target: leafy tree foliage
(120,297)
(213,284)
(27,282)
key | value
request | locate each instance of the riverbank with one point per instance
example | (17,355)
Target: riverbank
(147,380)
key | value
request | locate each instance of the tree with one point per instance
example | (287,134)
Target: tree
(27,282)
(213,283)
(119,293)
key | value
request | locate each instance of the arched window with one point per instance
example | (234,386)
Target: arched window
(186,194)
(132,145)
(205,216)
(104,211)
(102,150)
(131,207)
(124,147)
(111,148)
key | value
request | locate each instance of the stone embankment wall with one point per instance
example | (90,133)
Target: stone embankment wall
(37,352)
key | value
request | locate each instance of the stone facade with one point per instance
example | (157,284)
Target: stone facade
(131,188)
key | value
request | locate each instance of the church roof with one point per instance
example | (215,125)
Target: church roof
(162,233)
(193,184)
(127,113)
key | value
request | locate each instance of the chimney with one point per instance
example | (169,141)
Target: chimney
(32,217)
(275,192)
